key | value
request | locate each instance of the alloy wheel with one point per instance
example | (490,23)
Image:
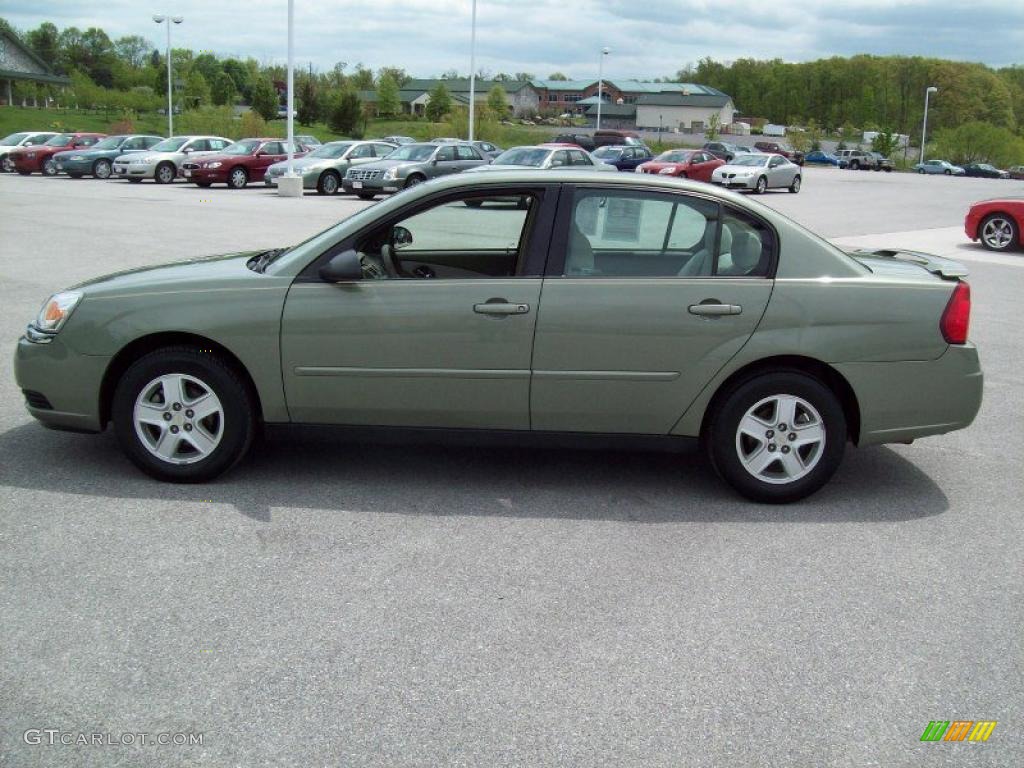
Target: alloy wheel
(178,418)
(8,165)
(102,170)
(780,439)
(997,233)
(238,178)
(165,174)
(50,167)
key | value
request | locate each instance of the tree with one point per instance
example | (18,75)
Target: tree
(344,113)
(400,75)
(885,142)
(132,50)
(197,91)
(362,78)
(240,75)
(309,108)
(978,142)
(439,104)
(265,99)
(223,91)
(497,101)
(389,102)
(714,124)
(44,42)
(558,76)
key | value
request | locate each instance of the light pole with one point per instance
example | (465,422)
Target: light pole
(291,85)
(472,72)
(924,127)
(160,19)
(600,83)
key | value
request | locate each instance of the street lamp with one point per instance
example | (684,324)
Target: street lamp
(160,19)
(600,83)
(924,127)
(472,71)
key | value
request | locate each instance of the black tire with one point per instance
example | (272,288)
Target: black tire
(102,169)
(947,172)
(366,196)
(134,180)
(854,165)
(239,412)
(6,164)
(722,439)
(238,177)
(762,186)
(795,186)
(165,173)
(328,184)
(415,179)
(204,184)
(49,167)
(1007,225)
(920,170)
(887,170)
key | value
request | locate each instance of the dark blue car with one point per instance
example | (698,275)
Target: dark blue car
(622,157)
(821,158)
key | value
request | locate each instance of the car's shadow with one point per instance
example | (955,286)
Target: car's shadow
(322,470)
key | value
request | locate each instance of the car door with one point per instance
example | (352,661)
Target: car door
(270,153)
(637,314)
(440,331)
(468,157)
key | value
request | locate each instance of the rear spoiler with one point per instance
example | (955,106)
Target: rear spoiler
(937,265)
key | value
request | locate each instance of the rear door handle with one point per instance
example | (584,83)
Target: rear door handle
(715,309)
(501,307)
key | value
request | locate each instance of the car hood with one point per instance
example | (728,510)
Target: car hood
(86,152)
(503,167)
(659,166)
(306,162)
(730,168)
(381,165)
(202,270)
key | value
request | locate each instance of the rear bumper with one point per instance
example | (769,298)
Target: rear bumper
(68,382)
(908,400)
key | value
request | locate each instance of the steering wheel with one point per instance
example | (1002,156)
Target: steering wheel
(388,257)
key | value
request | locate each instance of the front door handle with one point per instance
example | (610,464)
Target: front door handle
(715,309)
(501,307)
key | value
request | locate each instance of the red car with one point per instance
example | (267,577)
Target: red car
(244,161)
(695,164)
(774,148)
(40,157)
(999,223)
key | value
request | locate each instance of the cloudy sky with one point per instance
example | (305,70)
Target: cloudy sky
(648,39)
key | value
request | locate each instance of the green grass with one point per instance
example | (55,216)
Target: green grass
(14,119)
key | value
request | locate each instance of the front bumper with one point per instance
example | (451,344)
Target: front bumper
(735,183)
(374,186)
(309,180)
(69,382)
(23,163)
(904,401)
(130,170)
(203,175)
(74,166)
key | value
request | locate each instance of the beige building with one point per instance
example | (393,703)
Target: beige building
(686,112)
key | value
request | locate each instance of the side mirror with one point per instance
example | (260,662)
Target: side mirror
(187,150)
(401,237)
(343,267)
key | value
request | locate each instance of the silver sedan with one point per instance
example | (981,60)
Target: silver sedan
(759,172)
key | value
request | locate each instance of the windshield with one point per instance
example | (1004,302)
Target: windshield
(675,156)
(169,145)
(60,140)
(14,138)
(608,152)
(111,142)
(531,156)
(413,152)
(330,151)
(750,160)
(242,147)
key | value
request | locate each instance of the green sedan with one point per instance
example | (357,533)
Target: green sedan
(529,305)
(98,160)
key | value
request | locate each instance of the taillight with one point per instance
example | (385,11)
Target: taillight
(956,318)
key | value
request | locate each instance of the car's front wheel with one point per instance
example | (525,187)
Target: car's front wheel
(999,232)
(328,183)
(415,179)
(238,178)
(101,169)
(778,437)
(762,185)
(947,172)
(795,186)
(49,167)
(183,415)
(165,173)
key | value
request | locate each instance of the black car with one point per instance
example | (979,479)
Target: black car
(582,140)
(722,150)
(625,158)
(984,171)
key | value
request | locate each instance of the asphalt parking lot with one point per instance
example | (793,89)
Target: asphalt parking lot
(330,603)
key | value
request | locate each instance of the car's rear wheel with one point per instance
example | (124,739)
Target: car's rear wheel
(183,415)
(854,165)
(778,437)
(999,232)
(328,183)
(238,178)
(101,169)
(920,170)
(49,167)
(7,164)
(795,186)
(887,169)
(762,185)
(165,173)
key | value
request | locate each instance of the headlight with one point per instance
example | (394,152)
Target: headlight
(391,173)
(666,171)
(217,164)
(56,311)
(76,158)
(142,160)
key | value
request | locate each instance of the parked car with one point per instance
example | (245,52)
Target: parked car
(623,157)
(581,140)
(308,140)
(862,160)
(22,139)
(1016,171)
(998,224)
(609,137)
(939,167)
(695,164)
(98,160)
(722,149)
(487,149)
(426,314)
(984,171)
(238,164)
(544,157)
(323,168)
(759,173)
(818,157)
(410,165)
(39,157)
(162,161)
(774,147)
(399,141)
